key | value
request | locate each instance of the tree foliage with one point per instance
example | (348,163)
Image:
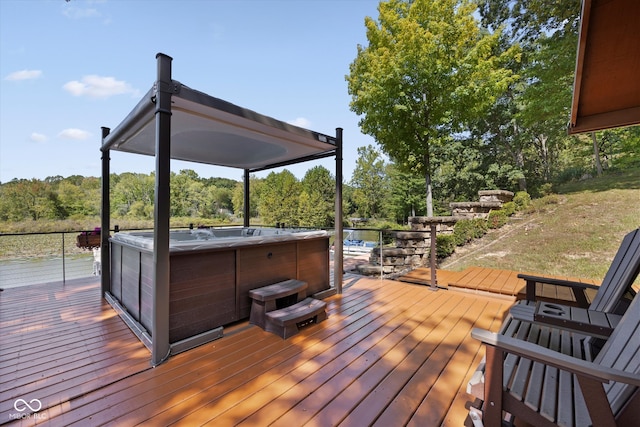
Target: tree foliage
(427,71)
(528,123)
(316,207)
(370,183)
(279,199)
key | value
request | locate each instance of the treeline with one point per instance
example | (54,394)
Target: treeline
(132,196)
(377,190)
(280,197)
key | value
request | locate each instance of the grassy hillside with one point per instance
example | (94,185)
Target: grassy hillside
(575,232)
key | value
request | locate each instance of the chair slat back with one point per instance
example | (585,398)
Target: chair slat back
(621,274)
(622,351)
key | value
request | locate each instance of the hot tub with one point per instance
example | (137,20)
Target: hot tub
(212,271)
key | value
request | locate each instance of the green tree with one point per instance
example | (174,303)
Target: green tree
(317,199)
(279,199)
(255,190)
(369,182)
(427,71)
(29,199)
(79,196)
(185,193)
(533,130)
(406,194)
(217,201)
(130,188)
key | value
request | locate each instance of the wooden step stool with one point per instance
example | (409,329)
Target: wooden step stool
(287,321)
(273,297)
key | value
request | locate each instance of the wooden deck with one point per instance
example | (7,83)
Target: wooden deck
(390,353)
(492,281)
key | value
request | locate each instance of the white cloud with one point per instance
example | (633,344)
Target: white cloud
(301,122)
(38,137)
(80,13)
(76,134)
(24,75)
(98,87)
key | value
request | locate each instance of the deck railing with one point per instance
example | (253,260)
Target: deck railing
(36,258)
(395,257)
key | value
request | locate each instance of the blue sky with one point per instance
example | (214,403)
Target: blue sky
(68,68)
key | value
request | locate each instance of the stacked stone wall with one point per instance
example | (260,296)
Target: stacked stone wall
(412,247)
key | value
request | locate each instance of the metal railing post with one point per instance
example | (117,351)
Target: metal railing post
(432,255)
(64,267)
(381,259)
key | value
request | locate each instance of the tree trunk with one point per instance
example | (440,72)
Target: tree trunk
(544,155)
(427,176)
(596,153)
(519,159)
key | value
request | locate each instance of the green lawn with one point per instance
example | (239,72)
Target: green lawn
(576,233)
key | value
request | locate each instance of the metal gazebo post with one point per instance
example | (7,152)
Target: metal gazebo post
(105,212)
(338,265)
(247,189)
(161,347)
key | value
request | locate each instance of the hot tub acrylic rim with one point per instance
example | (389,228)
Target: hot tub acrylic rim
(144,239)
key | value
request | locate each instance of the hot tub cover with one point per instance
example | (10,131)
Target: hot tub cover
(205,129)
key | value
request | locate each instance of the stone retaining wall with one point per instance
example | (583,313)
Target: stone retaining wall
(413,247)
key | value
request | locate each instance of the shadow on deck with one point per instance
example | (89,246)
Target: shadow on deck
(390,353)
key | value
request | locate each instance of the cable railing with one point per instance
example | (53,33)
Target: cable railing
(34,258)
(37,258)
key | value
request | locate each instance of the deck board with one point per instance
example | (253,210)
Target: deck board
(422,276)
(389,353)
(60,341)
(499,282)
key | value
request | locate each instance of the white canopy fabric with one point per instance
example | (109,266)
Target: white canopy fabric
(209,130)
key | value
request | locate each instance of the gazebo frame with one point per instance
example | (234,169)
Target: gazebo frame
(175,121)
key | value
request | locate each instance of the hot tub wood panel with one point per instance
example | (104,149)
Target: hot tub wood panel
(131,275)
(146,289)
(313,259)
(116,271)
(202,294)
(260,266)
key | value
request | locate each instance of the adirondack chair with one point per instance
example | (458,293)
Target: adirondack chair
(528,319)
(546,386)
(610,302)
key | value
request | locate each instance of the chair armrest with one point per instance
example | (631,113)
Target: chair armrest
(557,282)
(575,286)
(553,358)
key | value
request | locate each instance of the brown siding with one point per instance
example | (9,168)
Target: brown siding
(211,288)
(146,289)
